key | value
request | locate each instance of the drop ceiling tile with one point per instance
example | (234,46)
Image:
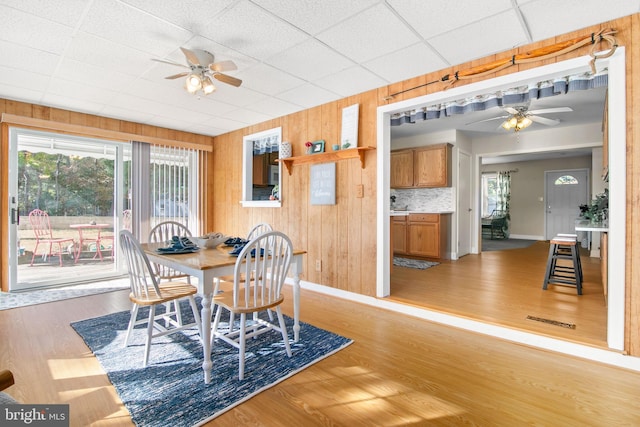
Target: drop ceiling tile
(80,91)
(370,34)
(26,58)
(107,54)
(430,19)
(406,63)
(480,39)
(246,116)
(236,96)
(575,14)
(268,80)
(250,30)
(309,95)
(82,72)
(351,81)
(24,79)
(275,107)
(207,129)
(125,25)
(73,104)
(310,60)
(20,94)
(50,37)
(188,14)
(138,116)
(314,16)
(67,12)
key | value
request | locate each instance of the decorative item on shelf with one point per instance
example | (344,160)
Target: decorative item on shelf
(317,146)
(285,150)
(597,211)
(309,146)
(346,144)
(275,193)
(336,147)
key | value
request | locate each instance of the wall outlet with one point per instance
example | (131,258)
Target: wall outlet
(318,265)
(360,191)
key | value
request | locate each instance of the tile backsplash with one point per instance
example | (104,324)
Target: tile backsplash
(424,199)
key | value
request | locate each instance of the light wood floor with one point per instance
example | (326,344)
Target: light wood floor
(399,371)
(504,287)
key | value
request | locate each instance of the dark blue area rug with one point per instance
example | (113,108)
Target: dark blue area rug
(171,389)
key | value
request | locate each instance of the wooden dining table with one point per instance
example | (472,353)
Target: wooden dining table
(207,264)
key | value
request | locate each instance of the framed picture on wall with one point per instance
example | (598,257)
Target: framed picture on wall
(317,146)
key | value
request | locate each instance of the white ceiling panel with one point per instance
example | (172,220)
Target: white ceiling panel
(95,56)
(50,36)
(310,60)
(313,16)
(406,63)
(480,38)
(370,34)
(543,16)
(430,21)
(309,96)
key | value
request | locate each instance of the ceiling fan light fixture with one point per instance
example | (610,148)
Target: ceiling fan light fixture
(523,123)
(193,83)
(207,85)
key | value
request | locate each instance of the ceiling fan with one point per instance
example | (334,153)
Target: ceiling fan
(202,67)
(520,117)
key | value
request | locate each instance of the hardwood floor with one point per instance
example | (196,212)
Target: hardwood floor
(504,287)
(400,371)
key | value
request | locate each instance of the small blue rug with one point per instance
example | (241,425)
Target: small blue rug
(171,389)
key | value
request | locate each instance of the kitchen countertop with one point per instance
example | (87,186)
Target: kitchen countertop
(586,225)
(405,213)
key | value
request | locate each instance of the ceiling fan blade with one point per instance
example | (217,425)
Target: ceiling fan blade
(511,110)
(552,110)
(544,120)
(177,76)
(486,120)
(223,66)
(191,57)
(169,62)
(227,79)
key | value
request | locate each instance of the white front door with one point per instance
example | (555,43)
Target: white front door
(565,191)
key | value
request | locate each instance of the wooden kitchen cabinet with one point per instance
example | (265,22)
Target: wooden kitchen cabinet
(424,167)
(401,169)
(261,168)
(432,166)
(421,235)
(399,234)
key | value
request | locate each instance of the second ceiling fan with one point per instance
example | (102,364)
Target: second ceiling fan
(202,67)
(520,117)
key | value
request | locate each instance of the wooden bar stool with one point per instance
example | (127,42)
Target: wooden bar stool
(564,248)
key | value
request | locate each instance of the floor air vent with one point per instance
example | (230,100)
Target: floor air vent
(552,322)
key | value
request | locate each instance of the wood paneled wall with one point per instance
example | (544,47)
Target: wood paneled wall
(343,236)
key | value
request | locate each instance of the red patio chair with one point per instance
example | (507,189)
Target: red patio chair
(41,226)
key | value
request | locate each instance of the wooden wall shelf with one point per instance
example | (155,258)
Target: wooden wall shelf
(330,156)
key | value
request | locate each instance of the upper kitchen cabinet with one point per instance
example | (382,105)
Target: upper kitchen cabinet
(402,169)
(424,167)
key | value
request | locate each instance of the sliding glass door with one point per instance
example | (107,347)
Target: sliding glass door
(69,197)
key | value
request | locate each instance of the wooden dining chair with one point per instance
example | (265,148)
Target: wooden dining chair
(41,226)
(163,232)
(269,258)
(255,231)
(147,291)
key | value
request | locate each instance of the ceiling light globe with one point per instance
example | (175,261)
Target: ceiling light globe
(193,83)
(207,86)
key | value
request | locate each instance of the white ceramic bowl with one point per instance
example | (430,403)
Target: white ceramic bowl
(205,242)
